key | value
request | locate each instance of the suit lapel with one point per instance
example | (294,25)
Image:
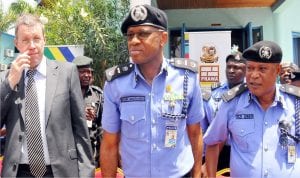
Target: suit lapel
(21,99)
(51,83)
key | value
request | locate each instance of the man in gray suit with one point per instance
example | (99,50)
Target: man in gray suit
(65,141)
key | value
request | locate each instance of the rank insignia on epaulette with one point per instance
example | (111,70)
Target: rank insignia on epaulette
(206,94)
(185,64)
(215,85)
(233,92)
(290,89)
(117,71)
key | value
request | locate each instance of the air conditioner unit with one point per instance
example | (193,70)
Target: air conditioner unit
(3,67)
(9,53)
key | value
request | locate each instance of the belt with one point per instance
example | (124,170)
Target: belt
(26,167)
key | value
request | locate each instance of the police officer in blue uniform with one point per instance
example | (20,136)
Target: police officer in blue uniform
(235,74)
(93,98)
(261,119)
(151,110)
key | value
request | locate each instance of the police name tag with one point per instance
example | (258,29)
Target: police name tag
(291,155)
(171,135)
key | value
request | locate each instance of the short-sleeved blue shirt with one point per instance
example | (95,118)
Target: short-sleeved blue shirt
(211,106)
(254,134)
(216,98)
(134,108)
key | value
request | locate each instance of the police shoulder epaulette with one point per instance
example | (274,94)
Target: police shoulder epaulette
(96,88)
(206,94)
(290,89)
(185,64)
(215,85)
(117,71)
(233,92)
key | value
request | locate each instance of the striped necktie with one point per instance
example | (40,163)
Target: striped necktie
(297,117)
(33,129)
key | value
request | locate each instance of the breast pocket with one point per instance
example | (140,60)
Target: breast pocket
(133,116)
(243,133)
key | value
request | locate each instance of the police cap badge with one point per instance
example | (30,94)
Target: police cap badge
(145,15)
(264,51)
(236,57)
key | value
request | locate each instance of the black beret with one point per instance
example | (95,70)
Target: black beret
(145,15)
(264,51)
(82,61)
(295,76)
(236,57)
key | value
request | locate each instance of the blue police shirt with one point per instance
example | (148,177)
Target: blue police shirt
(216,98)
(255,148)
(208,114)
(134,108)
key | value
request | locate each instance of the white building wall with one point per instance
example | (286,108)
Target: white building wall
(286,21)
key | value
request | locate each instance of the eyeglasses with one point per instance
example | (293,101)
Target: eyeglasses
(28,42)
(142,35)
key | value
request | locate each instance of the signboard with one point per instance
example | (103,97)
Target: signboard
(210,50)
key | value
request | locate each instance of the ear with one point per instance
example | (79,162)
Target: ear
(16,43)
(44,39)
(278,69)
(164,38)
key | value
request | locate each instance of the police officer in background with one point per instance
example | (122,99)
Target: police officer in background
(93,97)
(260,119)
(235,74)
(286,69)
(151,106)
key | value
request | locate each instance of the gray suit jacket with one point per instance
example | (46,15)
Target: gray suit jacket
(66,130)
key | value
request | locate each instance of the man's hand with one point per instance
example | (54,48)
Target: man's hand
(90,113)
(16,69)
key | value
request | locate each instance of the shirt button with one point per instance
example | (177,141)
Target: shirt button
(154,146)
(242,131)
(266,148)
(153,121)
(266,173)
(132,118)
(266,123)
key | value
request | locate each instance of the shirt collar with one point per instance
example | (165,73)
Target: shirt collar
(41,68)
(88,91)
(278,99)
(225,86)
(138,75)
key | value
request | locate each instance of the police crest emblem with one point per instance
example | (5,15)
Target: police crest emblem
(265,52)
(209,54)
(139,13)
